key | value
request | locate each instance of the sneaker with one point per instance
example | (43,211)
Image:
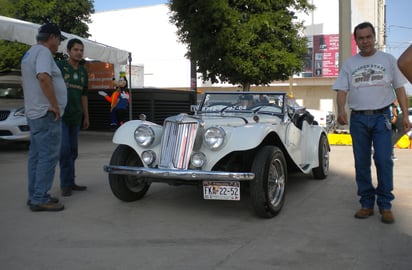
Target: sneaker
(364,213)
(66,191)
(49,206)
(78,188)
(51,199)
(387,216)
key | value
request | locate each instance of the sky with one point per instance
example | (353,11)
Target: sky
(399,24)
(105,5)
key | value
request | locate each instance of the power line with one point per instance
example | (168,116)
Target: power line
(398,26)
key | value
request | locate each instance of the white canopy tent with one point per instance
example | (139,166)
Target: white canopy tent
(25,32)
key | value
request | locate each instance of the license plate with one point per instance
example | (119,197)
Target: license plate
(221,190)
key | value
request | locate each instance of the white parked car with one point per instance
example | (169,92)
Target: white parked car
(13,122)
(233,141)
(325,119)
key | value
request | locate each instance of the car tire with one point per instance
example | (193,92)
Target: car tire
(322,171)
(127,188)
(267,191)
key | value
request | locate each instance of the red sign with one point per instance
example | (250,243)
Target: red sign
(326,55)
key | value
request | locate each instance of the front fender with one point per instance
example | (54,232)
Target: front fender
(125,134)
(239,138)
(250,136)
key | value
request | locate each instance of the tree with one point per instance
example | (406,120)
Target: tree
(71,16)
(242,41)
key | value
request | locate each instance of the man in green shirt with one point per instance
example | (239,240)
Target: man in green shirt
(75,115)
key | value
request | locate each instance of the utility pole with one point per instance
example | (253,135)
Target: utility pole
(130,87)
(345,36)
(345,31)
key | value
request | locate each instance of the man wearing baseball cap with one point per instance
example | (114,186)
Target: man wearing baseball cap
(50,28)
(45,98)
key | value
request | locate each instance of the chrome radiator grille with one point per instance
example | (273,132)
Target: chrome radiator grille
(177,144)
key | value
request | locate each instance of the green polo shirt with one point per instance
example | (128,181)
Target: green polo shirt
(76,81)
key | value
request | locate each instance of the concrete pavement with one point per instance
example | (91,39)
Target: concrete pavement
(174,228)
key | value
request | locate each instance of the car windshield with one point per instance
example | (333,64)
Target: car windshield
(10,85)
(262,102)
(10,91)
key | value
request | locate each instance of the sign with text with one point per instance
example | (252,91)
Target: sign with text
(325,56)
(101,75)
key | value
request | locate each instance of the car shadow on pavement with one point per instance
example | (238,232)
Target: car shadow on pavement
(6,146)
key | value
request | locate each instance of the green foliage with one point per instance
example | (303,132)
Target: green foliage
(242,41)
(71,16)
(11,54)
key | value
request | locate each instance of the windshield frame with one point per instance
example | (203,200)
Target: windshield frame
(273,103)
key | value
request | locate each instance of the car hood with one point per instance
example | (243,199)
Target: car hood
(236,119)
(11,79)
(9,104)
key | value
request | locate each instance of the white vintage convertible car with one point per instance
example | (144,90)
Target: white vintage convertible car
(233,141)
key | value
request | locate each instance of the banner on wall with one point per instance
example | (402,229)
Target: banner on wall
(322,59)
(326,55)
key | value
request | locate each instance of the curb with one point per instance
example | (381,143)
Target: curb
(345,139)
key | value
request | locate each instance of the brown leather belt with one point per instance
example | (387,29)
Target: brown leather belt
(371,112)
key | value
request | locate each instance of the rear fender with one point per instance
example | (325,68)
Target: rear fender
(313,134)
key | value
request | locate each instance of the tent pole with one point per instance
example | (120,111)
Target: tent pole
(130,88)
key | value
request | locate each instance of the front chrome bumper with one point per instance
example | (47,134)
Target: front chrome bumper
(187,175)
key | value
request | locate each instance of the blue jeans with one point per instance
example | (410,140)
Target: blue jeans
(68,154)
(367,131)
(45,138)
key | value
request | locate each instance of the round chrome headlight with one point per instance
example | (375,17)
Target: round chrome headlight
(197,160)
(148,157)
(144,135)
(214,137)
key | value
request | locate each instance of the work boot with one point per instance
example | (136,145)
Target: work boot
(364,213)
(51,199)
(78,188)
(66,191)
(387,216)
(49,206)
